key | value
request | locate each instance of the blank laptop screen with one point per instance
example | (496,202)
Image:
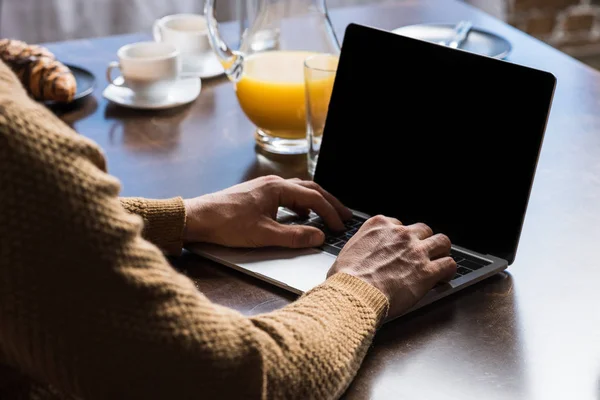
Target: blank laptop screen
(428,134)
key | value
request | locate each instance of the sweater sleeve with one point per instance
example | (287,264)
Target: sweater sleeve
(164,221)
(92,309)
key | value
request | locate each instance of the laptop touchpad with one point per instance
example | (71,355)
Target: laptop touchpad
(298,269)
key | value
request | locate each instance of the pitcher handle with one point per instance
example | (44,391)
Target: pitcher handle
(329,26)
(232,60)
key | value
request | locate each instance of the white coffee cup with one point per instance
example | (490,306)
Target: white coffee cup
(149,69)
(189,33)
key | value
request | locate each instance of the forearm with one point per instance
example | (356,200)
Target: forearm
(315,346)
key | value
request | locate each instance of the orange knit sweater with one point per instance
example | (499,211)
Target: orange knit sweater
(90,308)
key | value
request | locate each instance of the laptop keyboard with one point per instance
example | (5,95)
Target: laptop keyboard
(335,241)
(466,263)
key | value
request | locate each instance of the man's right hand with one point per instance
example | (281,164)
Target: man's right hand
(403,262)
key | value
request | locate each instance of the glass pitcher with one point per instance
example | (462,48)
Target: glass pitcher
(268,69)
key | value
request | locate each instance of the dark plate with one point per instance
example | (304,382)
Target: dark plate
(85,84)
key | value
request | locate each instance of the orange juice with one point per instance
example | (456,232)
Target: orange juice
(319,92)
(272,93)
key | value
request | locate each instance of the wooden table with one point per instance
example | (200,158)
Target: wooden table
(533,332)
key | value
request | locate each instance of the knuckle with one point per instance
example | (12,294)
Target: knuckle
(452,265)
(273,182)
(419,252)
(396,221)
(272,179)
(430,269)
(445,266)
(426,228)
(299,238)
(377,220)
(423,270)
(310,184)
(403,233)
(449,266)
(314,195)
(444,241)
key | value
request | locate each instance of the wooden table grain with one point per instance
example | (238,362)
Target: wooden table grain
(530,333)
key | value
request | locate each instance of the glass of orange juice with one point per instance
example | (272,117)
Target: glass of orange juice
(319,75)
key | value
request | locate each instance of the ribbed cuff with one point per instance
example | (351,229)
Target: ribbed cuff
(368,294)
(164,221)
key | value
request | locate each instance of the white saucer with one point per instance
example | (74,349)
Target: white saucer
(182,92)
(210,68)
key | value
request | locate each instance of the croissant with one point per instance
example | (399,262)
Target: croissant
(45,78)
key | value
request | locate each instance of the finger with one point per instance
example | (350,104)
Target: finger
(342,210)
(301,212)
(421,230)
(445,269)
(437,246)
(292,236)
(299,197)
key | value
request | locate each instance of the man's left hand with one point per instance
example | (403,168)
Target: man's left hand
(245,215)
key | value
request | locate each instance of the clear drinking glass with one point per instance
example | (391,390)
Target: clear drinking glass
(319,75)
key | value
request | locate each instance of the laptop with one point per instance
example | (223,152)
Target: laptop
(422,133)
